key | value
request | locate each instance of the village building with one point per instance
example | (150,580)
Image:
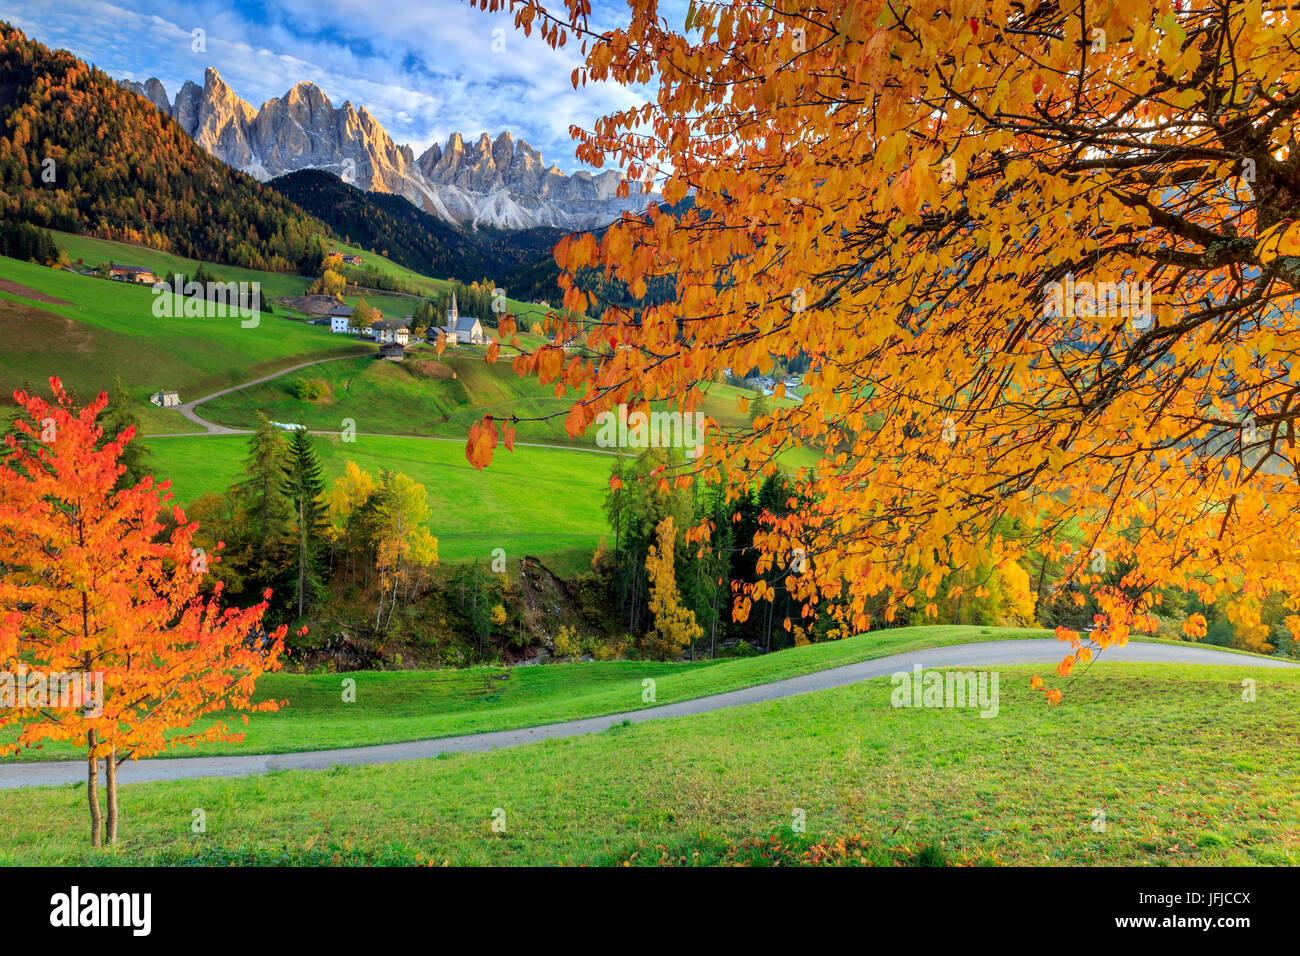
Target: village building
(458,330)
(340,318)
(389,330)
(393,351)
(165,398)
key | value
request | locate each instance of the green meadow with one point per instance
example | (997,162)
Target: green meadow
(532,501)
(1141,764)
(101,329)
(426,395)
(395,706)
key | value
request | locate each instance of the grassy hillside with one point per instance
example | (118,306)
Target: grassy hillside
(396,305)
(423,396)
(430,395)
(900,784)
(534,501)
(98,329)
(88,251)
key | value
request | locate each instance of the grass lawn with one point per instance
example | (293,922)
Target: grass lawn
(1184,771)
(93,251)
(532,501)
(400,398)
(396,706)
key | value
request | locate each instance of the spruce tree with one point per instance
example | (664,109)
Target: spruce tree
(264,499)
(303,483)
(121,413)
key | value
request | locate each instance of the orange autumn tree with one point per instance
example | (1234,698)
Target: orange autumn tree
(1042,260)
(95,583)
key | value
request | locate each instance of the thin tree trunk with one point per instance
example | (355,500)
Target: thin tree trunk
(92,792)
(392,606)
(110,773)
(767,628)
(302,553)
(1038,589)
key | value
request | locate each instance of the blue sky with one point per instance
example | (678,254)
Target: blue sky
(424,68)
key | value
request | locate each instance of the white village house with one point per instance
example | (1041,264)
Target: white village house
(340,318)
(459,331)
(167,398)
(389,330)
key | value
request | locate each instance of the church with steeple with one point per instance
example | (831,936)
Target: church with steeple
(458,331)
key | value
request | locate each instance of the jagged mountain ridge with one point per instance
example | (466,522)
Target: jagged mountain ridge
(414,238)
(110,144)
(500,183)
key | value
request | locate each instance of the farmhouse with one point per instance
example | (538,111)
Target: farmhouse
(165,398)
(392,351)
(459,331)
(130,274)
(340,317)
(389,330)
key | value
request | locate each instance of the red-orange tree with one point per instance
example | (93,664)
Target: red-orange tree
(916,197)
(94,583)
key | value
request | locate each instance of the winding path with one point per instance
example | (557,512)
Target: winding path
(1031,651)
(212,428)
(190,411)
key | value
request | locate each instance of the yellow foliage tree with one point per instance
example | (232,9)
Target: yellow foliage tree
(362,316)
(674,625)
(404,548)
(344,512)
(1017,593)
(329,283)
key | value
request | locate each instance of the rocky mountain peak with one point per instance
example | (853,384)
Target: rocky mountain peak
(501,182)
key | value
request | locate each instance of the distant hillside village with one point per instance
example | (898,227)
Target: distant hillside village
(394,335)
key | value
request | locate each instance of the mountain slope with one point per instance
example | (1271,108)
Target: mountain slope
(78,153)
(500,183)
(411,237)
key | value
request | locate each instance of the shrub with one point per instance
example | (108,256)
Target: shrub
(312,389)
(566,642)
